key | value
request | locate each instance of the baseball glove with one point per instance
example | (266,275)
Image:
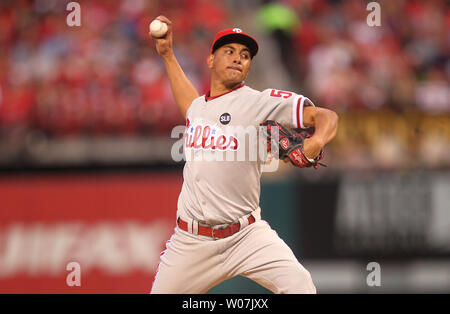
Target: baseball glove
(290,144)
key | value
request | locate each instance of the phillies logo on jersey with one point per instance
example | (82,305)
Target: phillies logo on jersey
(208,137)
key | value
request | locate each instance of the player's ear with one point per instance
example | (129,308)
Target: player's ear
(210,61)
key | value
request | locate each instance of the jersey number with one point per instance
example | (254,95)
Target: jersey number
(280,93)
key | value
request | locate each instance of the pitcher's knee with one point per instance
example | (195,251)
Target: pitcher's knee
(300,282)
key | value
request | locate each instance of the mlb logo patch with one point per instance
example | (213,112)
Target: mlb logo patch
(225,118)
(284,143)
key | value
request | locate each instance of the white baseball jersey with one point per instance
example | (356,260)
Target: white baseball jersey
(221,191)
(218,191)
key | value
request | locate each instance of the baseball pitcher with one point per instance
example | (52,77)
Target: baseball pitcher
(219,233)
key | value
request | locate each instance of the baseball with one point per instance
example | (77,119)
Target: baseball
(158,29)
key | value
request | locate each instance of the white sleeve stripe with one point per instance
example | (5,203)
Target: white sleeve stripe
(294,111)
(301,110)
(297,110)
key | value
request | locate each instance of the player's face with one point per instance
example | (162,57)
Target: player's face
(230,63)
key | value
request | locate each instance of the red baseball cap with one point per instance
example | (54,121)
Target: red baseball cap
(235,35)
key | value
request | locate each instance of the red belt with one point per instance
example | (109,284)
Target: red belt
(216,233)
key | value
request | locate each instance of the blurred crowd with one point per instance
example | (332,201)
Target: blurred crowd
(402,64)
(104,77)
